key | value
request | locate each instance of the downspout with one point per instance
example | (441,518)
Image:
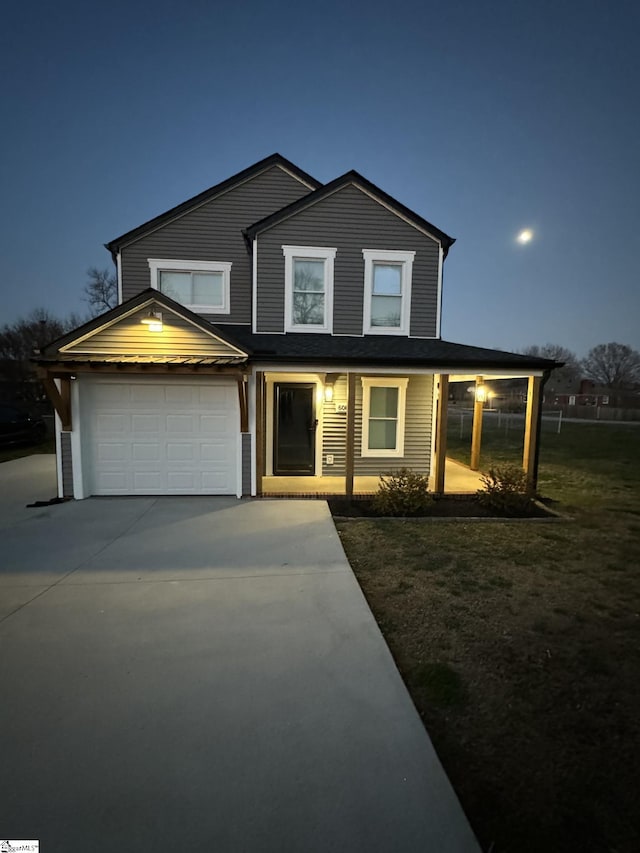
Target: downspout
(536,458)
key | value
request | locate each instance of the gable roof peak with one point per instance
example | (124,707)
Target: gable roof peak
(142,300)
(364,184)
(275,159)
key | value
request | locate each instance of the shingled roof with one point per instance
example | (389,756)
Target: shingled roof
(377,350)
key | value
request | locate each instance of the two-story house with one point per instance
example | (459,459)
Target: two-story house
(271,327)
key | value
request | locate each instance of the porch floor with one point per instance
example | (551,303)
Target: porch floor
(458,480)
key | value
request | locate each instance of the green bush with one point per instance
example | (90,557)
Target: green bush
(402,492)
(505,490)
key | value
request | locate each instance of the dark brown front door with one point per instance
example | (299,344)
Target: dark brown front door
(294,446)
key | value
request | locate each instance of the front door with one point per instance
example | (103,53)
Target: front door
(294,446)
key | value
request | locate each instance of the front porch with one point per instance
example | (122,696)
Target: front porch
(321,422)
(459,480)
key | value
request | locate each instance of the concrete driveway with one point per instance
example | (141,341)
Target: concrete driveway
(202,674)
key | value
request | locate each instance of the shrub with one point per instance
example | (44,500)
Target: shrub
(402,492)
(505,490)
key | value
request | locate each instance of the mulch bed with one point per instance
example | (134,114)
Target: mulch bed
(446,507)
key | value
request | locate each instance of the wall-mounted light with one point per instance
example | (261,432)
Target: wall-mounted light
(328,393)
(481,393)
(153,320)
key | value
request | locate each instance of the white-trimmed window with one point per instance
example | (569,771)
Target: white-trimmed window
(383,414)
(201,286)
(308,283)
(387,291)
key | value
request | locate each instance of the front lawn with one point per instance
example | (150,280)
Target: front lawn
(9,453)
(520,644)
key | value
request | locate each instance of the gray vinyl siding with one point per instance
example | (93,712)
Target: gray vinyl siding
(129,336)
(213,232)
(334,432)
(67,464)
(350,221)
(246,463)
(417,437)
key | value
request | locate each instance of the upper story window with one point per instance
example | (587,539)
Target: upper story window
(308,280)
(383,411)
(387,291)
(201,286)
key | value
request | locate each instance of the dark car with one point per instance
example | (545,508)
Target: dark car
(19,427)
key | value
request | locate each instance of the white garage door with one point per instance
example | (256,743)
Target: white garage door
(159,437)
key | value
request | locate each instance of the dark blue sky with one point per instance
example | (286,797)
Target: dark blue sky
(485,118)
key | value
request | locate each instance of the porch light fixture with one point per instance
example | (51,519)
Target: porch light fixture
(328,393)
(153,320)
(481,394)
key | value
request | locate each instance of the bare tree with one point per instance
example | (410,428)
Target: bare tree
(561,377)
(613,365)
(100,291)
(19,341)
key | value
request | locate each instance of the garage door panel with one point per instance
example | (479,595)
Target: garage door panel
(116,395)
(213,452)
(210,396)
(147,395)
(214,424)
(181,452)
(109,423)
(146,423)
(113,483)
(163,437)
(148,482)
(142,452)
(114,452)
(183,481)
(182,424)
(216,482)
(181,395)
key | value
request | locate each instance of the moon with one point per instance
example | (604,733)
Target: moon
(525,236)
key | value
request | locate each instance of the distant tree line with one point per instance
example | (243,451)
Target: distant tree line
(20,340)
(613,365)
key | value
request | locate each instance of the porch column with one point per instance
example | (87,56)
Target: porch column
(350,448)
(531,431)
(259,431)
(441,432)
(476,437)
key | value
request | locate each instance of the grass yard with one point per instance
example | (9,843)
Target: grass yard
(9,453)
(520,644)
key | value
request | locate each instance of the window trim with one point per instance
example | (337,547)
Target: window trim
(158,265)
(405,259)
(316,253)
(384,382)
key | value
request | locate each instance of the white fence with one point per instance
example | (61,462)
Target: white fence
(461,420)
(596,413)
